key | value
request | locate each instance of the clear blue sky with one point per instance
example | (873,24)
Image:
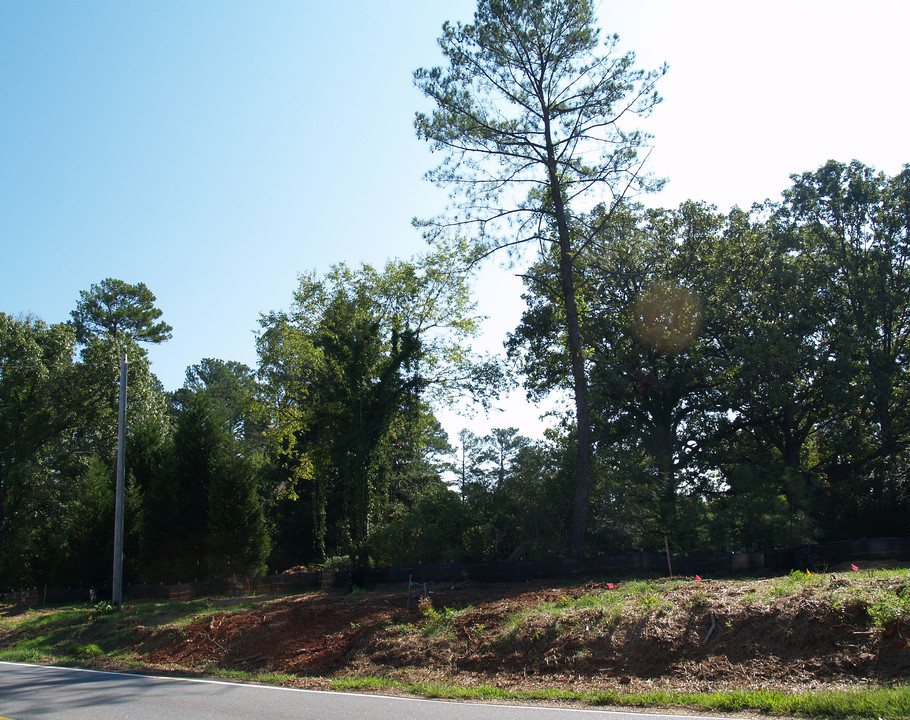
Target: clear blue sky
(214,149)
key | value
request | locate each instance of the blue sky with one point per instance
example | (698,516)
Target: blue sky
(215,149)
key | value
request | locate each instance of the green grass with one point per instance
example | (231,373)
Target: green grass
(77,635)
(886,602)
(793,583)
(879,703)
(888,608)
(630,600)
(438,622)
(903,573)
(370,682)
(44,636)
(653,602)
(262,678)
(21,655)
(83,651)
(699,600)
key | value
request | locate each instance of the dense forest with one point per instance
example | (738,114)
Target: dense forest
(737,380)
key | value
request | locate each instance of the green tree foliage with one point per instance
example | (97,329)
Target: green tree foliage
(853,227)
(237,539)
(59,430)
(110,320)
(428,528)
(745,374)
(232,387)
(98,376)
(782,376)
(486,461)
(504,444)
(643,288)
(746,368)
(345,376)
(531,103)
(37,423)
(518,504)
(421,519)
(202,515)
(353,385)
(89,521)
(113,308)
(469,462)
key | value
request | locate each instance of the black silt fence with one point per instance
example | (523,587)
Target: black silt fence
(636,564)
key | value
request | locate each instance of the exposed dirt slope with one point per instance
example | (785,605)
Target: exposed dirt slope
(839,630)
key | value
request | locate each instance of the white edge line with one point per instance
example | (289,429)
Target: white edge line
(205,681)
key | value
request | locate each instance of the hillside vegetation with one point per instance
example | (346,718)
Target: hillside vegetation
(835,644)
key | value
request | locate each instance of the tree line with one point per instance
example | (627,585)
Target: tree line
(748,388)
(736,380)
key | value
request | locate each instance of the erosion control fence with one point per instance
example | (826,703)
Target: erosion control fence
(808,557)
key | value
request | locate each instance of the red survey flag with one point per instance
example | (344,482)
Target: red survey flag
(697,578)
(854,567)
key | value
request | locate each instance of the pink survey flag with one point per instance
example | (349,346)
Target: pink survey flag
(698,578)
(854,567)
(610,586)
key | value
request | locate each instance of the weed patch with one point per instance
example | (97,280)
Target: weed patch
(437,622)
(82,651)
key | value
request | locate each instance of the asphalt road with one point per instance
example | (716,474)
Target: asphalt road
(31,692)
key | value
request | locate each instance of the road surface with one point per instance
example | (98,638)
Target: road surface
(32,692)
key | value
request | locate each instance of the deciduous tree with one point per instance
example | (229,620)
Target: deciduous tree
(349,370)
(38,417)
(852,225)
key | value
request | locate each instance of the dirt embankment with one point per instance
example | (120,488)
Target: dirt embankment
(687,636)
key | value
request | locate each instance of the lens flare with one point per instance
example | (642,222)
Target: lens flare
(668,318)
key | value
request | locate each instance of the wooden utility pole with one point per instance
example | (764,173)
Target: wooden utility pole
(118,502)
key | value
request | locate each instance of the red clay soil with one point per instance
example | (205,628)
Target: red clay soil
(789,642)
(305,635)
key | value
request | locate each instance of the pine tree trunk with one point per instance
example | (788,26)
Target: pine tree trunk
(579,375)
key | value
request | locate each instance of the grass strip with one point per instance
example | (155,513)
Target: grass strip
(883,703)
(263,678)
